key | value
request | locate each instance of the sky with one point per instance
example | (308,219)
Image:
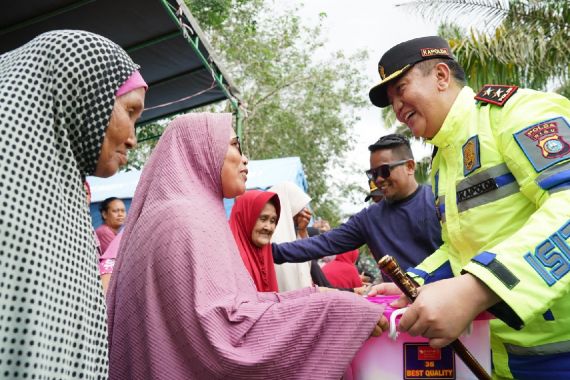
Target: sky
(376,26)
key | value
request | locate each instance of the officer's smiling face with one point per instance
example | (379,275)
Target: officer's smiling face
(416,98)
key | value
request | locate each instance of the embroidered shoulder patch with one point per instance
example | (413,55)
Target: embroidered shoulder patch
(545,143)
(471,155)
(496,94)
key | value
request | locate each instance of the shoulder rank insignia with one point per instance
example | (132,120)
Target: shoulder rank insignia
(545,143)
(471,155)
(496,94)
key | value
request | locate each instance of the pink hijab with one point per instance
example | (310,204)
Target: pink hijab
(181,303)
(258,261)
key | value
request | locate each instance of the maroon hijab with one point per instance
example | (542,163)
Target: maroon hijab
(258,261)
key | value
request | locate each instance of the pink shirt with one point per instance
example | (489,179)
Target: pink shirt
(106,236)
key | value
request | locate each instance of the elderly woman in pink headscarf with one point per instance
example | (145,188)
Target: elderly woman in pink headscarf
(182,304)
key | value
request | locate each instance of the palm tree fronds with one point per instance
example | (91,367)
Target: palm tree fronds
(485,14)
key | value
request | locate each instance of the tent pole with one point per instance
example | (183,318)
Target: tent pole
(195,42)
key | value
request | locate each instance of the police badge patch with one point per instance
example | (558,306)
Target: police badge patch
(545,143)
(471,155)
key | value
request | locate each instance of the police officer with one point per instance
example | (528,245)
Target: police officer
(501,178)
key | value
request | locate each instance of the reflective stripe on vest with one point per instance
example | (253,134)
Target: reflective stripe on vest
(555,179)
(485,187)
(545,349)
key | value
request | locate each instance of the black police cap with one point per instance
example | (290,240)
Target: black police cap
(396,61)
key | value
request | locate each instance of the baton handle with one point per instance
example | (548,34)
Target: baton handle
(390,267)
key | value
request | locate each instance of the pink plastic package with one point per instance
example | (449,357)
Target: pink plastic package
(407,357)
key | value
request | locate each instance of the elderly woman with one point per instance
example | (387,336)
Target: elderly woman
(252,221)
(182,304)
(69,101)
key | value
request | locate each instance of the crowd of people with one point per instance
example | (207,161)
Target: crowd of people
(194,295)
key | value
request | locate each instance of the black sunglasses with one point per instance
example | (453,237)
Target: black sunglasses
(383,170)
(235,142)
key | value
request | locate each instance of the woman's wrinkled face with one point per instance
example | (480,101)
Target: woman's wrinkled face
(120,134)
(264,226)
(115,214)
(234,170)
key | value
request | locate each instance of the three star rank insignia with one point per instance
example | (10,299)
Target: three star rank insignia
(496,94)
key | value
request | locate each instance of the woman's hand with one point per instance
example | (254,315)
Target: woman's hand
(301,220)
(381,325)
(384,289)
(363,290)
(389,289)
(324,289)
(364,278)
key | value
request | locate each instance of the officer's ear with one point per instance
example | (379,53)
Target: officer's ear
(443,76)
(411,166)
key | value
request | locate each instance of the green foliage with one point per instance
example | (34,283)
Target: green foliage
(510,42)
(147,137)
(214,13)
(296,106)
(518,42)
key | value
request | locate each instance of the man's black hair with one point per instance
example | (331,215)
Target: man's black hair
(399,144)
(457,71)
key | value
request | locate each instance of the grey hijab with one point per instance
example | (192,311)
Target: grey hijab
(56,97)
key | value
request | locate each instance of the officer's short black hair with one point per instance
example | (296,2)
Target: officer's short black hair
(457,71)
(398,143)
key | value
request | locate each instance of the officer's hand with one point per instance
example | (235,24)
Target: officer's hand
(381,325)
(444,309)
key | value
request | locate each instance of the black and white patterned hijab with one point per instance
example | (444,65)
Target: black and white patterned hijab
(68,79)
(56,98)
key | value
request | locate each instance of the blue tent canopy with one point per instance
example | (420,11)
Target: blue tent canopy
(262,175)
(266,173)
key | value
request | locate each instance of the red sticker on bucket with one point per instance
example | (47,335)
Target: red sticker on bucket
(424,362)
(429,353)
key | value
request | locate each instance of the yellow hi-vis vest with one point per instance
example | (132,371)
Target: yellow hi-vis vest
(501,177)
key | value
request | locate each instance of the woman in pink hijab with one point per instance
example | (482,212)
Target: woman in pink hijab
(181,303)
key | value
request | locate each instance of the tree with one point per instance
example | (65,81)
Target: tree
(522,42)
(296,105)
